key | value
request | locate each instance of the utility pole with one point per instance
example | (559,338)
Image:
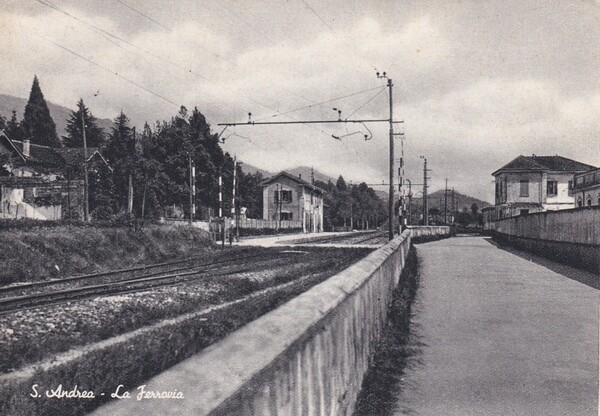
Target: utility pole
(221,220)
(233,205)
(425,207)
(130,188)
(86,199)
(391,201)
(389,120)
(192,188)
(446,203)
(409,217)
(453,207)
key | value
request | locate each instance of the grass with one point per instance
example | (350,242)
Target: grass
(43,253)
(163,344)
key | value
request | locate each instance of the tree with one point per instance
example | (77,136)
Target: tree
(474,209)
(13,128)
(94,135)
(38,125)
(120,152)
(2,122)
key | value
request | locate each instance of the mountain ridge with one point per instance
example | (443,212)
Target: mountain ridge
(59,113)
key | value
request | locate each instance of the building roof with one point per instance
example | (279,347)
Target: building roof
(285,174)
(544,163)
(51,157)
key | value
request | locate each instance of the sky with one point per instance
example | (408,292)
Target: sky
(477,83)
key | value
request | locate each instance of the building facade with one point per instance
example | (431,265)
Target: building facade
(586,189)
(290,198)
(42,182)
(531,184)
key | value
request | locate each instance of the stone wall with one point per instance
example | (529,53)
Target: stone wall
(307,357)
(568,236)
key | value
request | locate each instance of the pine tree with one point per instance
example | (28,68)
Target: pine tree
(121,156)
(94,135)
(2,122)
(13,129)
(38,125)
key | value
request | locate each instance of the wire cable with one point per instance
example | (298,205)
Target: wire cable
(370,99)
(104,68)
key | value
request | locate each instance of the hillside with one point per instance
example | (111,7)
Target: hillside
(462,201)
(300,170)
(59,114)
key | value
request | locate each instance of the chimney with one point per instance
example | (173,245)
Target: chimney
(299,176)
(26,148)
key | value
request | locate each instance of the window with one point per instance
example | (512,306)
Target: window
(285,216)
(552,188)
(579,202)
(524,190)
(589,201)
(286,196)
(524,212)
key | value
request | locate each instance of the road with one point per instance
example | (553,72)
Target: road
(493,333)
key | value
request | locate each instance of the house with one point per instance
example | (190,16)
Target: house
(42,182)
(290,198)
(530,184)
(586,188)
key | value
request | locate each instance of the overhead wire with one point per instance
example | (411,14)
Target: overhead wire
(313,11)
(103,67)
(368,101)
(215,54)
(323,102)
(102,31)
(49,4)
(279,113)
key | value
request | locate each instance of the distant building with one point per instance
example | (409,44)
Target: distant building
(290,198)
(530,184)
(42,182)
(586,188)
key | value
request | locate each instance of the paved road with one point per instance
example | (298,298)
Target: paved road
(496,334)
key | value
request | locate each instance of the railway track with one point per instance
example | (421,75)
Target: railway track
(351,239)
(129,284)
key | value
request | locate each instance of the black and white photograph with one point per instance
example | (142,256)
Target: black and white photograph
(299,207)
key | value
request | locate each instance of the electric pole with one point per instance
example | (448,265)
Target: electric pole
(425,202)
(192,187)
(391,201)
(446,203)
(86,199)
(389,120)
(453,207)
(233,205)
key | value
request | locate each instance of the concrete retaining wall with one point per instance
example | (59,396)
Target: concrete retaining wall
(307,357)
(429,230)
(568,236)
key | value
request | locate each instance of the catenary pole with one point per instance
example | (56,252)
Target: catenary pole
(390,120)
(86,199)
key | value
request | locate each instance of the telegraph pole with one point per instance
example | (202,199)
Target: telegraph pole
(389,120)
(391,201)
(233,199)
(446,203)
(425,207)
(192,188)
(86,199)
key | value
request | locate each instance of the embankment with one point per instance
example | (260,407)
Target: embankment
(309,356)
(42,253)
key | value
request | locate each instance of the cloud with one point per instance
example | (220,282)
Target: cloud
(469,104)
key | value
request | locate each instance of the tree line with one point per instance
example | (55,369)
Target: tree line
(154,162)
